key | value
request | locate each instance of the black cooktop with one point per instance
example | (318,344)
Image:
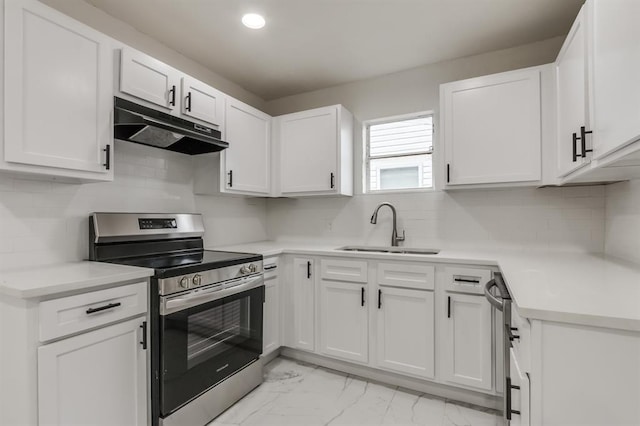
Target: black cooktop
(188,263)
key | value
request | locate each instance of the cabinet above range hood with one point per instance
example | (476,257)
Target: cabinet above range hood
(147,126)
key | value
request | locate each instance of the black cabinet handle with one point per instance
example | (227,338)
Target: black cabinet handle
(448,172)
(362,296)
(309,269)
(379,299)
(583,141)
(575,147)
(103,308)
(144,335)
(270,267)
(107,157)
(188,105)
(172,94)
(333,181)
(230,178)
(464,280)
(448,306)
(511,336)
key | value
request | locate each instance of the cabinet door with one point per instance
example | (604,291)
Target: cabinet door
(202,101)
(615,36)
(406,331)
(308,146)
(344,327)
(58,90)
(519,382)
(248,158)
(304,303)
(271,336)
(492,128)
(467,345)
(147,78)
(96,378)
(571,72)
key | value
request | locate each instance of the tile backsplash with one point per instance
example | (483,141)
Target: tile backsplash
(622,224)
(43,221)
(549,218)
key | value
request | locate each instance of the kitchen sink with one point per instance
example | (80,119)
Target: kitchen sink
(395,250)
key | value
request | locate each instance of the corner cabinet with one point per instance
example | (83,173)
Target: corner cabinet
(245,167)
(492,128)
(58,95)
(572,99)
(315,152)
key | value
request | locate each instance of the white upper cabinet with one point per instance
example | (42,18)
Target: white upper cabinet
(491,128)
(147,78)
(58,100)
(316,152)
(615,66)
(572,103)
(202,101)
(247,161)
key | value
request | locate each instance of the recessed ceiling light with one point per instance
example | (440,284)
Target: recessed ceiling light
(253,21)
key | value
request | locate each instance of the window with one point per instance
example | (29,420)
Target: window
(398,153)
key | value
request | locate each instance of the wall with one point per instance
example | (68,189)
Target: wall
(119,30)
(570,218)
(622,220)
(45,222)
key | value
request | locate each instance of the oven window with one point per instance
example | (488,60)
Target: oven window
(216,330)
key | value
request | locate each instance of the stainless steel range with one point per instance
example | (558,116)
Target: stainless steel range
(205,311)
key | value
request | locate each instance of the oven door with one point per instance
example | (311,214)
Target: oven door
(207,335)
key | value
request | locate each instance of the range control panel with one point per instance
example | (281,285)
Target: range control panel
(169,223)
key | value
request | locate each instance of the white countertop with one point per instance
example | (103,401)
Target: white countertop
(42,281)
(578,288)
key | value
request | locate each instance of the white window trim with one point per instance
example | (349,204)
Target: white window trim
(366,173)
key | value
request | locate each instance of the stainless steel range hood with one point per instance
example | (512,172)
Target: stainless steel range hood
(139,124)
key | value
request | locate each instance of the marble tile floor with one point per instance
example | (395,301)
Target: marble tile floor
(299,394)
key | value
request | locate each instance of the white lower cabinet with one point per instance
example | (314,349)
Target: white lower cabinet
(97,378)
(405,331)
(467,354)
(344,328)
(271,316)
(304,303)
(518,392)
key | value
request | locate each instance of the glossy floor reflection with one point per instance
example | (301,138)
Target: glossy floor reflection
(300,394)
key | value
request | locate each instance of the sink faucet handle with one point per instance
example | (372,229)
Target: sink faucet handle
(401,238)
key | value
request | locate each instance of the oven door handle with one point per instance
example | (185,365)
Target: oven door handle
(169,305)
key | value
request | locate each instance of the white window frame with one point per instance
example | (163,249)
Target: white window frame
(366,173)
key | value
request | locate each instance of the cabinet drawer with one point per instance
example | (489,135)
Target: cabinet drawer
(344,270)
(466,280)
(407,275)
(68,315)
(270,268)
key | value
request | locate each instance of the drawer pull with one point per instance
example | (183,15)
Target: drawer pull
(103,308)
(270,267)
(464,280)
(515,412)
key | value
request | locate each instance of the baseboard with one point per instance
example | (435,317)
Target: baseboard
(371,374)
(267,358)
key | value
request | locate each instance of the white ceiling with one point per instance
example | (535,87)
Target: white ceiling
(312,44)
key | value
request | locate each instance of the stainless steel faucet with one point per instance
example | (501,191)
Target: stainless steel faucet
(394,233)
